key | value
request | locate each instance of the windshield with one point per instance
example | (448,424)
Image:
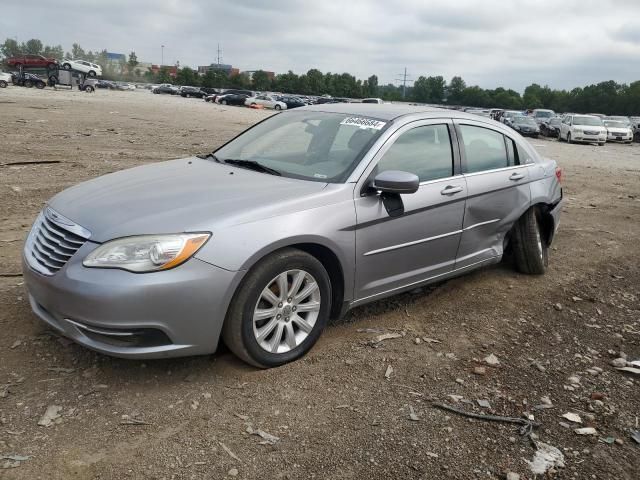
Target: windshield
(615,124)
(540,114)
(318,146)
(588,121)
(554,121)
(522,120)
(624,121)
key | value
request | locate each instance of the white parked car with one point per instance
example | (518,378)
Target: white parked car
(582,128)
(267,101)
(5,79)
(373,100)
(541,114)
(618,131)
(89,68)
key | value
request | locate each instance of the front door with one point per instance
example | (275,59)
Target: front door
(397,251)
(498,190)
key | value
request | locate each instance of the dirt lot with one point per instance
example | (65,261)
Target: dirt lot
(335,413)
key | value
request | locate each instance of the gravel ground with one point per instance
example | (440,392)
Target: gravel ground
(335,413)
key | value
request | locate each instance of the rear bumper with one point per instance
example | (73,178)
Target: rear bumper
(172,313)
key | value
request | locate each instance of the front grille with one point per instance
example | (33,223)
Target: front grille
(587,132)
(52,244)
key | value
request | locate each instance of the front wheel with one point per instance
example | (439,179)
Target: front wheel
(28,83)
(279,310)
(92,73)
(223,102)
(88,89)
(278,107)
(569,137)
(66,66)
(3,84)
(40,85)
(529,247)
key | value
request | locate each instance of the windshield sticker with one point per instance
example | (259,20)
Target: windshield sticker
(363,123)
(319,175)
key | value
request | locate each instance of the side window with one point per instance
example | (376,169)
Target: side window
(484,149)
(512,152)
(424,151)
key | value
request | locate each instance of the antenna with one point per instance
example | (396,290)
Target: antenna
(219,54)
(404,79)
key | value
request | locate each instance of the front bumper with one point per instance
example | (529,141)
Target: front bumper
(619,138)
(586,138)
(163,314)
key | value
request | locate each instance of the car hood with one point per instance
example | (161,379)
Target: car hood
(623,130)
(189,194)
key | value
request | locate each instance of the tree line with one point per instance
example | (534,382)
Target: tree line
(607,97)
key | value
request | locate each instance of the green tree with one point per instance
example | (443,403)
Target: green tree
(260,81)
(372,86)
(53,52)
(10,48)
(33,47)
(163,75)
(315,82)
(455,90)
(187,76)
(77,52)
(287,82)
(133,61)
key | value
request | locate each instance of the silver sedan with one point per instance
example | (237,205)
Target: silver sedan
(305,215)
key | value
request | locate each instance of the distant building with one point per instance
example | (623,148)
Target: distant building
(228,69)
(115,61)
(172,69)
(249,74)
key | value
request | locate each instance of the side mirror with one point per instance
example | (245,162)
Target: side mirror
(395,181)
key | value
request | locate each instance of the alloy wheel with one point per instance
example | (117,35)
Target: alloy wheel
(286,311)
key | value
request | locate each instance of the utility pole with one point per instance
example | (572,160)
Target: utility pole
(219,55)
(162,58)
(404,79)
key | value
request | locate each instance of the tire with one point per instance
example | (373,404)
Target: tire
(28,83)
(530,250)
(92,73)
(89,89)
(3,84)
(559,136)
(569,137)
(51,66)
(601,144)
(278,107)
(40,85)
(223,102)
(240,331)
(66,66)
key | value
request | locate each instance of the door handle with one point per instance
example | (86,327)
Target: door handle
(451,190)
(516,176)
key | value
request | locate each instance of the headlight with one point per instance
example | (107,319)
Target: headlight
(146,253)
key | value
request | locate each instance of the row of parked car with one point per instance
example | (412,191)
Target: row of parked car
(249,98)
(570,127)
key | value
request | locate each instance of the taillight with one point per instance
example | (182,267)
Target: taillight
(559,174)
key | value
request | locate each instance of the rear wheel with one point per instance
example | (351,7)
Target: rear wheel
(92,73)
(28,83)
(223,102)
(66,66)
(40,85)
(279,310)
(278,107)
(529,247)
(3,84)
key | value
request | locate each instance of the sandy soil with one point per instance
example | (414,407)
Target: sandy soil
(335,413)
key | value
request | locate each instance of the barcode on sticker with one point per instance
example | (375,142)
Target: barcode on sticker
(363,123)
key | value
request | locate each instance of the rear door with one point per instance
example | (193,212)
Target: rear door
(393,252)
(498,190)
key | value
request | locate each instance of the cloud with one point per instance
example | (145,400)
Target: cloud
(490,43)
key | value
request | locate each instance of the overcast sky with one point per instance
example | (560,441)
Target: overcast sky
(510,43)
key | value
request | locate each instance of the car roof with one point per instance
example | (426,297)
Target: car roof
(386,111)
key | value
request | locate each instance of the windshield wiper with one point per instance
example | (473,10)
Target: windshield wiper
(211,156)
(251,165)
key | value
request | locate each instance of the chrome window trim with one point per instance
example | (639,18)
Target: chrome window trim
(495,170)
